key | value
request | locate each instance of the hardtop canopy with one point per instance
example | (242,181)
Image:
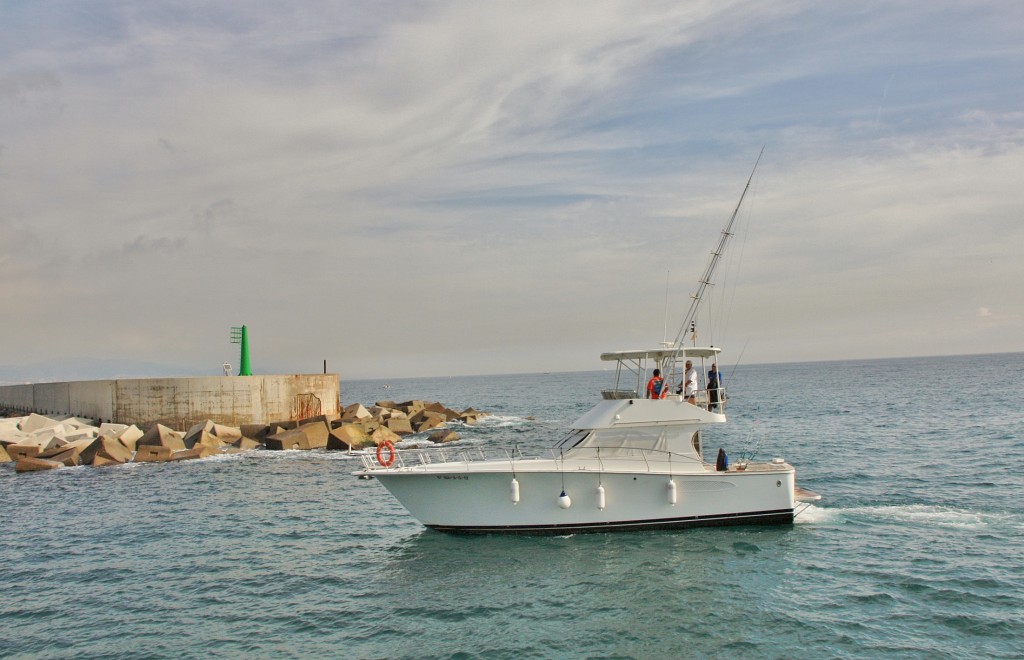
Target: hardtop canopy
(662,354)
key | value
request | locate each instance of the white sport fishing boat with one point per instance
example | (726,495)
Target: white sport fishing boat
(630,463)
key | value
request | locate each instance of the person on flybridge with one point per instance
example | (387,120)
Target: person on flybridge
(713,386)
(656,386)
(689,384)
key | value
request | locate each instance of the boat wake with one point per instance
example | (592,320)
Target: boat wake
(817,515)
(914,514)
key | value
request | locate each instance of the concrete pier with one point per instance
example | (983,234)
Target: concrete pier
(182,402)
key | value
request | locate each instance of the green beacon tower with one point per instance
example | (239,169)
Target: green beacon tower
(241,336)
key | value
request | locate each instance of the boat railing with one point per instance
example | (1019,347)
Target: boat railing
(619,394)
(704,398)
(651,460)
(414,456)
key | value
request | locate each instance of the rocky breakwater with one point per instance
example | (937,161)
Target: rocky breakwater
(36,442)
(387,421)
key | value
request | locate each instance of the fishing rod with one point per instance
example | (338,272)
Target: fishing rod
(736,365)
(689,321)
(705,280)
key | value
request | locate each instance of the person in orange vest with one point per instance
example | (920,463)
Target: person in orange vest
(656,386)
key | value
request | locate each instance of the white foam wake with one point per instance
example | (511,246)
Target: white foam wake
(913,514)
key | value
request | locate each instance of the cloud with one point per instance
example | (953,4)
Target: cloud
(17,89)
(450,187)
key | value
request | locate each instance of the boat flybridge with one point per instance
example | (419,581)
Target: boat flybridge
(629,463)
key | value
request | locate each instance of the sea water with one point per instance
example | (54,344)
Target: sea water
(916,549)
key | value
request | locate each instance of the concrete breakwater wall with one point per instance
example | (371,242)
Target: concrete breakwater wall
(182,402)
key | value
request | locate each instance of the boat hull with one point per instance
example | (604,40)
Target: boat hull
(481,502)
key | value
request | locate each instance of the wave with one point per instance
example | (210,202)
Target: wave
(501,421)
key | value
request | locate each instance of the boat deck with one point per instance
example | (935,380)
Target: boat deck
(804,495)
(477,460)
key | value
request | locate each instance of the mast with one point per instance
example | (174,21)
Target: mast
(716,254)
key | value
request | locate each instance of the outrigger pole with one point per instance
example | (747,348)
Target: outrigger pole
(705,280)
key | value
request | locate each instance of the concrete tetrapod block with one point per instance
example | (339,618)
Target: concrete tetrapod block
(349,436)
(246,444)
(427,423)
(44,439)
(36,422)
(19,452)
(399,425)
(77,422)
(195,452)
(255,431)
(12,437)
(356,412)
(370,425)
(227,433)
(427,414)
(444,435)
(411,407)
(130,437)
(283,440)
(316,433)
(471,415)
(89,448)
(384,434)
(68,457)
(307,436)
(69,446)
(36,464)
(153,454)
(448,413)
(158,434)
(207,439)
(84,432)
(112,430)
(8,424)
(194,433)
(4,456)
(113,450)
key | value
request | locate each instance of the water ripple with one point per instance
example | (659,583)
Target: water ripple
(914,552)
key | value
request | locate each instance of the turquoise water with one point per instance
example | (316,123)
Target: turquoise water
(916,550)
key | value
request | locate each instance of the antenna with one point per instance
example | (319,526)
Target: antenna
(664,335)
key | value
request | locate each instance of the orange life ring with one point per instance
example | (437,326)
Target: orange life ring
(392,454)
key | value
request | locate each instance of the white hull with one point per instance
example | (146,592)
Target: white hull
(478,498)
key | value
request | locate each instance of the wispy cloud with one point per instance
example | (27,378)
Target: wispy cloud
(507,178)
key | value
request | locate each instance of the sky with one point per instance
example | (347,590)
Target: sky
(409,189)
